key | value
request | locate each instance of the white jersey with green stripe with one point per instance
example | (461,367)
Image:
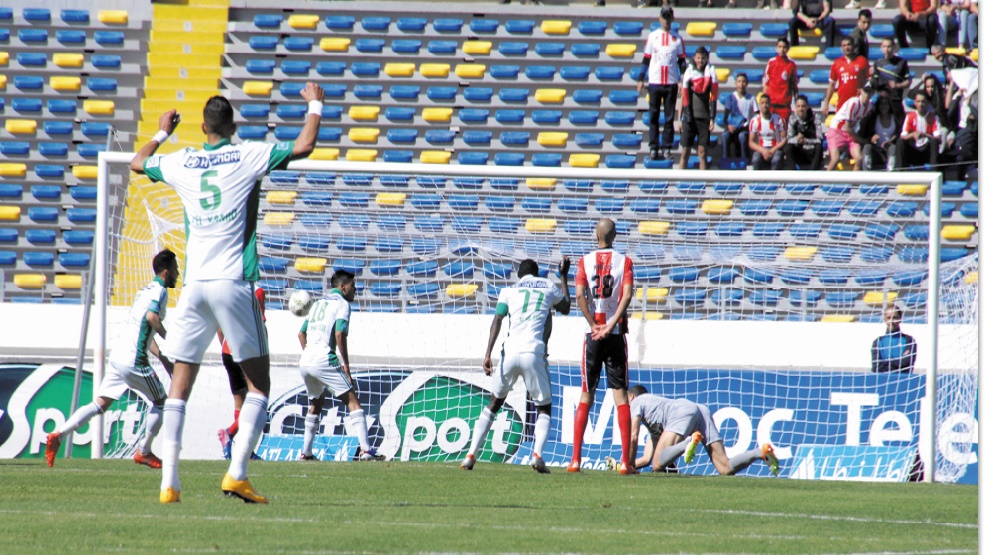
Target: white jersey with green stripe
(528,304)
(220,189)
(327,316)
(130,347)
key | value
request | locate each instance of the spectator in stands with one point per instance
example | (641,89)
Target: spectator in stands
(740,107)
(848,73)
(950,62)
(882,131)
(934,90)
(917,16)
(895,351)
(767,137)
(841,134)
(803,148)
(699,95)
(860,34)
(812,14)
(960,150)
(663,61)
(780,80)
(891,78)
(960,17)
(921,134)
(961,153)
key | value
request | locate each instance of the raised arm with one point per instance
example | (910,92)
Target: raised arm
(305,143)
(564,305)
(167,123)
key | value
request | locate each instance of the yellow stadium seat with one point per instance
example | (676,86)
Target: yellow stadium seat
(834,101)
(13,169)
(99,107)
(68,281)
(722,74)
(550,95)
(621,50)
(957,232)
(653,294)
(477,47)
(278,218)
(364,113)
(955,50)
(303,21)
(541,225)
(437,115)
(435,70)
(3,81)
(802,254)
(113,17)
(324,154)
(649,316)
(974,55)
(462,290)
(435,157)
(399,70)
(842,318)
(654,228)
(803,52)
(85,172)
(541,183)
(66,83)
(701,28)
(65,59)
(364,134)
(281,197)
(470,71)
(555,27)
(30,281)
(717,206)
(876,298)
(334,44)
(361,155)
(258,88)
(584,160)
(311,265)
(815,32)
(10,213)
(552,139)
(390,199)
(971,278)
(5,58)
(21,126)
(916,190)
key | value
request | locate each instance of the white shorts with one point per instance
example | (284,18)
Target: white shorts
(685,417)
(326,378)
(206,306)
(143,380)
(532,367)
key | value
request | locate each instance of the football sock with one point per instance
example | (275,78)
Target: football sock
(482,426)
(174,423)
(154,421)
(671,453)
(742,460)
(541,430)
(310,431)
(357,423)
(581,422)
(251,421)
(232,429)
(80,417)
(622,413)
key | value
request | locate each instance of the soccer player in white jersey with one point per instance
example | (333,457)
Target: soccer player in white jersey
(604,288)
(677,427)
(325,329)
(219,187)
(129,366)
(528,305)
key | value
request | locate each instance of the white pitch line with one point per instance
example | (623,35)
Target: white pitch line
(861,520)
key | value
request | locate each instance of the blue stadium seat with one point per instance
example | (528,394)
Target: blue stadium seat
(478,94)
(101,84)
(805,230)
(681,206)
(108,38)
(74,259)
(473,115)
(365,69)
(70,37)
(473,158)
(587,96)
(520,26)
(604,73)
(263,42)
(398,156)
(367,92)
(969,210)
(34,236)
(763,253)
(32,59)
(14,148)
(477,138)
(540,72)
(376,23)
(773,31)
(620,118)
(549,49)
(841,299)
(267,21)
(29,82)
(408,46)
(731,52)
(391,222)
(575,73)
(368,46)
(546,117)
(881,232)
(442,93)
(295,67)
(75,16)
(439,136)
(764,53)
(513,48)
(510,116)
(730,229)
(871,278)
(260,66)
(583,50)
(832,53)
(8,235)
(401,135)
(827,208)
(62,106)
(791,207)
(39,259)
(394,113)
(627,28)
(442,47)
(834,254)
(46,192)
(49,170)
(843,232)
(60,127)
(736,30)
(592,27)
(909,278)
(627,140)
(447,25)
(504,72)
(484,25)
(804,297)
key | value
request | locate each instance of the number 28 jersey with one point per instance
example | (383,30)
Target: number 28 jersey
(603,274)
(528,304)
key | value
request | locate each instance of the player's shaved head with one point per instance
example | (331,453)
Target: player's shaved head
(528,268)
(637,390)
(605,230)
(217,117)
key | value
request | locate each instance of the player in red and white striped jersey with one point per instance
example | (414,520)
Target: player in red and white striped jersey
(767,137)
(604,287)
(843,132)
(663,58)
(921,134)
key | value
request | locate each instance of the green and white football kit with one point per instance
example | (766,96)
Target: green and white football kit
(129,366)
(320,366)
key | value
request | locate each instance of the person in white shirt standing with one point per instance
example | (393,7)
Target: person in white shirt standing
(219,187)
(663,60)
(528,305)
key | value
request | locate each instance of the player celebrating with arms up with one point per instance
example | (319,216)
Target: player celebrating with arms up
(219,187)
(528,305)
(604,287)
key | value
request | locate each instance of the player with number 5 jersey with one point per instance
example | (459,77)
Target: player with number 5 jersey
(604,288)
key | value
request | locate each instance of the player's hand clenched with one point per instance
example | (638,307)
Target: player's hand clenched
(564,266)
(312,91)
(487,366)
(169,121)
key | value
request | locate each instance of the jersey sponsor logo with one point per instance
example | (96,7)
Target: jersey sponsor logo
(200,160)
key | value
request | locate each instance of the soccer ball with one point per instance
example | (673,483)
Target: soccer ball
(300,303)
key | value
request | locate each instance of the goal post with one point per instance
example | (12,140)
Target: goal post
(684,239)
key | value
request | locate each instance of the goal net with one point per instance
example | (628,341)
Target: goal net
(757,294)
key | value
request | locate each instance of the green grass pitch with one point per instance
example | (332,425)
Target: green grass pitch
(111,506)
